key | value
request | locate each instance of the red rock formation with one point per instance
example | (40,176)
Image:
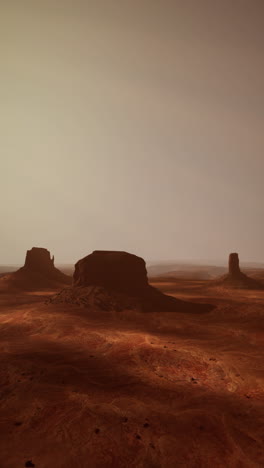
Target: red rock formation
(119,271)
(116,281)
(39,259)
(38,273)
(235,279)
(234,269)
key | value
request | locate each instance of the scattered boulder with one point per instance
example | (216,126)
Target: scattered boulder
(37,273)
(113,280)
(29,463)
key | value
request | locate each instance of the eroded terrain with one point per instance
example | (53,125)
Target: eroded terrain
(128,389)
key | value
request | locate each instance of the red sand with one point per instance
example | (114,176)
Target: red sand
(133,390)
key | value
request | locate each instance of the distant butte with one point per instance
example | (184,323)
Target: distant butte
(115,280)
(39,259)
(37,273)
(233,265)
(235,278)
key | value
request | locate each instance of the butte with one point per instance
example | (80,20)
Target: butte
(37,273)
(114,280)
(235,278)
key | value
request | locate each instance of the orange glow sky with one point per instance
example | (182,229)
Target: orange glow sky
(132,125)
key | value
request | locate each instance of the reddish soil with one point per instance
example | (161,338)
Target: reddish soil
(133,390)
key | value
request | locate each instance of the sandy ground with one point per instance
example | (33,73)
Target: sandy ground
(127,390)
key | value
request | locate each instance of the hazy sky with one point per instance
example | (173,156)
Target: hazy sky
(132,125)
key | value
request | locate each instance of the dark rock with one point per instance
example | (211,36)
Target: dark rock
(116,281)
(234,272)
(38,273)
(39,259)
(29,464)
(234,269)
(119,271)
(235,279)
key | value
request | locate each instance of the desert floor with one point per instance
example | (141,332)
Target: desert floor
(81,389)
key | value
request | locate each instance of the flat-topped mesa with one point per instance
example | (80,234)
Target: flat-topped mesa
(39,259)
(114,270)
(115,280)
(234,269)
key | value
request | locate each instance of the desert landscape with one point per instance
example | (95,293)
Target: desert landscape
(132,233)
(94,385)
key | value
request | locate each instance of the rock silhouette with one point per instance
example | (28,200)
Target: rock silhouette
(236,278)
(38,259)
(119,271)
(113,280)
(37,273)
(234,269)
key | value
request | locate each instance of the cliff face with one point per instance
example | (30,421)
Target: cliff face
(119,271)
(233,264)
(39,259)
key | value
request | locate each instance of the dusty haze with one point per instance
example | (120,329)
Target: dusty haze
(132,125)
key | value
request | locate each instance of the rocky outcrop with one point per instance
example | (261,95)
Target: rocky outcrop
(111,280)
(39,259)
(236,279)
(37,273)
(118,271)
(233,264)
